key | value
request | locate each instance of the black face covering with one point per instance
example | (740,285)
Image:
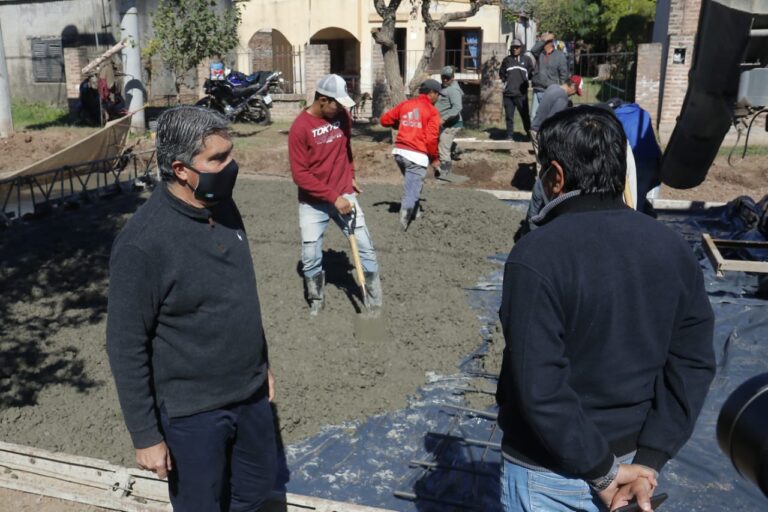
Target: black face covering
(213,187)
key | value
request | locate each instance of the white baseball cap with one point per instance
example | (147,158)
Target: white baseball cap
(335,87)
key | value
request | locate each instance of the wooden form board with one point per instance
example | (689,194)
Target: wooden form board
(484,144)
(99,483)
(722,265)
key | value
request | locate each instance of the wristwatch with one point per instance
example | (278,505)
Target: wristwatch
(602,483)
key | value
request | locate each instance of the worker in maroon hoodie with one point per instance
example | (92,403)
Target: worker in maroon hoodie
(418,130)
(320,154)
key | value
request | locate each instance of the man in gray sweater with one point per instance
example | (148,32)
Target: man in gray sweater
(184,332)
(551,68)
(449,106)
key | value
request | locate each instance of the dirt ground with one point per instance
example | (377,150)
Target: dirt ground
(56,391)
(263,151)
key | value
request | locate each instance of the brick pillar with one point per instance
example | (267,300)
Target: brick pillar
(491,103)
(683,22)
(317,64)
(648,81)
(75,59)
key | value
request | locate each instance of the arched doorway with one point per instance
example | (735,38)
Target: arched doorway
(271,51)
(344,51)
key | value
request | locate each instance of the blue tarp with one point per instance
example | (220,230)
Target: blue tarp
(368,462)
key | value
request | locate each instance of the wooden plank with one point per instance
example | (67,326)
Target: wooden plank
(713,254)
(722,265)
(484,144)
(102,484)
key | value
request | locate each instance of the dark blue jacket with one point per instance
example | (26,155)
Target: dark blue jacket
(608,335)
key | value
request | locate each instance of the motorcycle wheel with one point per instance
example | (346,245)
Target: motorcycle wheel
(205,102)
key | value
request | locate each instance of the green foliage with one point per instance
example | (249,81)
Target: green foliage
(189,31)
(26,114)
(624,22)
(568,19)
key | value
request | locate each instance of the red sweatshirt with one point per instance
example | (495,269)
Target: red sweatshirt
(320,153)
(419,125)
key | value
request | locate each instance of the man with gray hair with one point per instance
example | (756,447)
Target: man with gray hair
(184,333)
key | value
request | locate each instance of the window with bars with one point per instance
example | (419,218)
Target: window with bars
(47,60)
(460,48)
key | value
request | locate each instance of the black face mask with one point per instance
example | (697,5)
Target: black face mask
(213,187)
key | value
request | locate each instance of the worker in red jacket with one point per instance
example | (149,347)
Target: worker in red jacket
(418,130)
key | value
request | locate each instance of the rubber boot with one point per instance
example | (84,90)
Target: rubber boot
(445,171)
(405,217)
(315,292)
(373,287)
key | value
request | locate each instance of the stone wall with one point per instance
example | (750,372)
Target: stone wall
(683,22)
(285,107)
(648,82)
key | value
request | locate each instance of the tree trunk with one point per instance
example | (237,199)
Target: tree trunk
(385,37)
(431,42)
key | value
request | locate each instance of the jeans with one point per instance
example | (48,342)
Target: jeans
(313,219)
(521,104)
(224,459)
(528,490)
(414,175)
(535,103)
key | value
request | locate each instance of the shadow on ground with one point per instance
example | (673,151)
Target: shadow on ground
(53,276)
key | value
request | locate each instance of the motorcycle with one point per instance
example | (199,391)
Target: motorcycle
(242,97)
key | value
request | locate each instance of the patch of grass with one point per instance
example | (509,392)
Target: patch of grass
(29,114)
(752,150)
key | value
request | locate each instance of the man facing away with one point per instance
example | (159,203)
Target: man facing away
(551,68)
(515,72)
(608,331)
(184,332)
(320,154)
(449,106)
(555,99)
(418,128)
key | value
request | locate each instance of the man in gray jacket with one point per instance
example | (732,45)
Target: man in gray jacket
(449,105)
(551,68)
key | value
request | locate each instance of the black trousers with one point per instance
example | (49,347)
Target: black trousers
(224,459)
(521,103)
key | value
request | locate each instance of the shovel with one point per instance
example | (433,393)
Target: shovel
(371,325)
(356,256)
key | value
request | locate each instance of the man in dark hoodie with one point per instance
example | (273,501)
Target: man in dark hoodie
(515,72)
(551,68)
(184,332)
(604,371)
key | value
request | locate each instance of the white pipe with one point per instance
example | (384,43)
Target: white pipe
(133,88)
(6,121)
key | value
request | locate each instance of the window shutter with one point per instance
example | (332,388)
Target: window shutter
(39,68)
(47,60)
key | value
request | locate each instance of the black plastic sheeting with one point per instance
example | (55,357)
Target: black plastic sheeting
(371,462)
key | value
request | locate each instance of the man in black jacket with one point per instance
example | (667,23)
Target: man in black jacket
(608,333)
(184,331)
(515,72)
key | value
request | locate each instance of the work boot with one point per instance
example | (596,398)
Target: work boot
(315,292)
(373,287)
(405,217)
